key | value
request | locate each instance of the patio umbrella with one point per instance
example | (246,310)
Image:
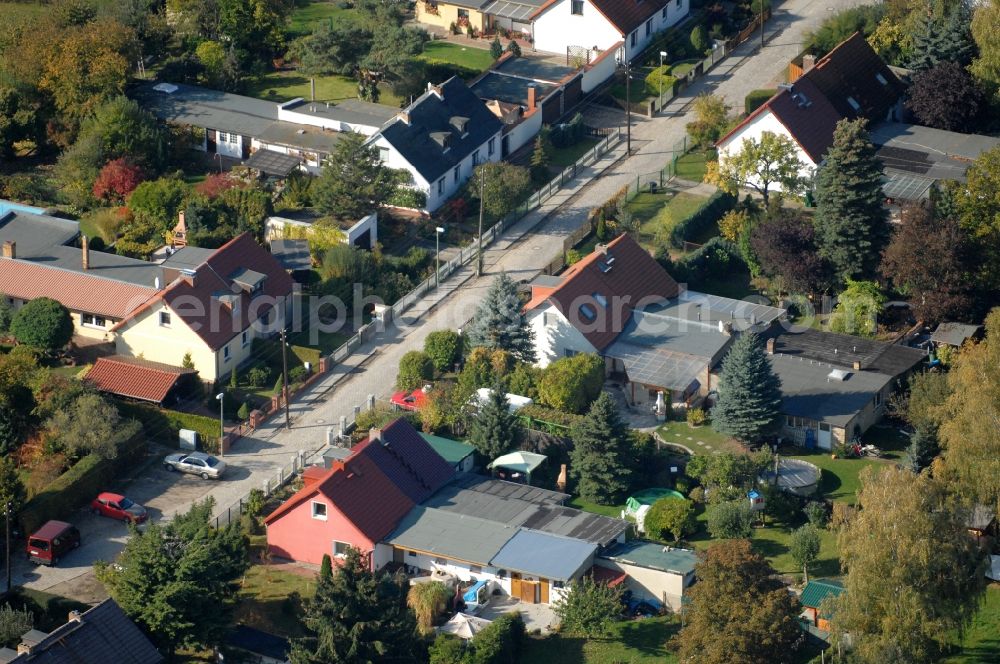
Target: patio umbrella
(464,626)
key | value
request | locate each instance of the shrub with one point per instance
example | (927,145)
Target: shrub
(162,425)
(660,79)
(42,323)
(696,417)
(756,98)
(817,513)
(500,641)
(697,495)
(415,368)
(699,39)
(514,48)
(258,377)
(117,179)
(541,418)
(670,516)
(405,197)
(496,48)
(244,412)
(684,484)
(444,348)
(571,383)
(730,520)
(708,214)
(297,374)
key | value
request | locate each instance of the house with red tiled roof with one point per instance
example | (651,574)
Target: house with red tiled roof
(851,82)
(215,303)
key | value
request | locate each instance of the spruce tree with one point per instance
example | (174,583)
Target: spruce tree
(358,615)
(499,323)
(852,225)
(923,447)
(749,393)
(541,156)
(599,460)
(494,430)
(496,48)
(942,39)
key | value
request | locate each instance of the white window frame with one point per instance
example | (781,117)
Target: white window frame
(165,319)
(491,146)
(316,513)
(245,340)
(226,356)
(576,7)
(90,320)
(345,545)
(223,137)
(475,158)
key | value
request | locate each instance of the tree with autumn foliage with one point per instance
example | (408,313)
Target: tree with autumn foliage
(928,260)
(116,181)
(946,97)
(785,245)
(739,611)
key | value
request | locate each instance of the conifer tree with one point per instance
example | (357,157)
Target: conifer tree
(496,48)
(942,39)
(599,460)
(494,430)
(923,447)
(852,225)
(541,156)
(749,393)
(499,323)
(358,615)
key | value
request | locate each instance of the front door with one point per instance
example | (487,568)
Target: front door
(543,591)
(529,592)
(397,555)
(515,584)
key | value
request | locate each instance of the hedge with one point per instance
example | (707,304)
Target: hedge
(756,98)
(163,425)
(80,484)
(543,418)
(709,213)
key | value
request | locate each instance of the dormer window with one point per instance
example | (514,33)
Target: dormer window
(460,124)
(442,138)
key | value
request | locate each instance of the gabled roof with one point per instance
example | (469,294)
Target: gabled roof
(409,462)
(425,135)
(359,491)
(818,590)
(624,275)
(216,323)
(134,378)
(452,451)
(955,334)
(99,635)
(808,116)
(624,15)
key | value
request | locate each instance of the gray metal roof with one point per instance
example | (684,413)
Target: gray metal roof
(511,89)
(808,391)
(36,234)
(905,186)
(102,264)
(694,306)
(935,153)
(455,536)
(535,69)
(674,334)
(312,139)
(659,367)
(351,111)
(955,334)
(653,556)
(292,254)
(522,505)
(272,163)
(211,109)
(545,555)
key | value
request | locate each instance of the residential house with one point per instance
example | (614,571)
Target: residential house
(653,572)
(99,635)
(812,598)
(981,521)
(851,81)
(274,138)
(44,256)
(462,14)
(620,303)
(439,139)
(215,303)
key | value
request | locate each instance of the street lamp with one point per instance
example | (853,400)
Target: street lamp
(479,241)
(663,55)
(220,397)
(437,255)
(628,105)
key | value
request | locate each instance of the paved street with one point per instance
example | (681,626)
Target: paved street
(520,253)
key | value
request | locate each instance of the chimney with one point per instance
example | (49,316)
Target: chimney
(561,480)
(601,249)
(857,365)
(405,117)
(375,434)
(531,97)
(85,252)
(9,249)
(808,62)
(75,616)
(770,346)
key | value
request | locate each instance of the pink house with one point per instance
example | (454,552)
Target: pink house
(353,504)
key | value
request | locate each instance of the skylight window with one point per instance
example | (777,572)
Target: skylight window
(601,300)
(881,79)
(606,263)
(588,312)
(854,103)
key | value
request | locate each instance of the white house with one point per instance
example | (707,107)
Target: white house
(440,138)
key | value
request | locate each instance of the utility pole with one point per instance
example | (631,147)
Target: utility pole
(284,376)
(761,22)
(7,527)
(628,104)
(437,255)
(479,251)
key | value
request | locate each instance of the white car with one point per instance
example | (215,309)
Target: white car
(196,463)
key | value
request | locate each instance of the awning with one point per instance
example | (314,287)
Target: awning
(611,577)
(134,378)
(512,10)
(272,163)
(524,462)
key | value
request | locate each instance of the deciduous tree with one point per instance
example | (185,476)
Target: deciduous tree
(986,67)
(804,547)
(589,608)
(730,519)
(913,572)
(571,384)
(670,515)
(117,179)
(761,164)
(785,244)
(504,186)
(710,119)
(358,615)
(978,203)
(749,393)
(858,309)
(739,612)
(354,181)
(444,347)
(42,323)
(415,369)
(852,224)
(500,324)
(600,457)
(90,424)
(20,119)
(947,97)
(12,491)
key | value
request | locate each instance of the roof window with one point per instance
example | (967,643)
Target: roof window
(588,312)
(601,300)
(606,263)
(881,79)
(854,103)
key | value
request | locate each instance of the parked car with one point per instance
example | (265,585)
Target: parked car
(118,507)
(50,542)
(196,463)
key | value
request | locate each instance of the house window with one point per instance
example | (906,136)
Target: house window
(649,27)
(223,137)
(164,319)
(678,4)
(491,147)
(246,338)
(225,353)
(632,37)
(441,187)
(89,320)
(319,511)
(663,14)
(463,13)
(457,173)
(339,548)
(411,554)
(475,569)
(569,352)
(878,399)
(475,157)
(557,584)
(549,319)
(577,8)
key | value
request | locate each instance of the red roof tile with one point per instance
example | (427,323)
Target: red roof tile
(77,291)
(407,460)
(134,378)
(808,116)
(852,70)
(634,278)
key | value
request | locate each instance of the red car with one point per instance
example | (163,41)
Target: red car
(118,507)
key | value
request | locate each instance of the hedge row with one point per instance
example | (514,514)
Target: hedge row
(80,484)
(543,418)
(163,425)
(720,203)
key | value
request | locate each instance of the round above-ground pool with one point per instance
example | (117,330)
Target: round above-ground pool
(651,495)
(796,476)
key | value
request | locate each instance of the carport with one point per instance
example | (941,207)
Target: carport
(133,378)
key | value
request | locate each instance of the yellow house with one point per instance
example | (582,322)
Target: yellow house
(460,12)
(216,304)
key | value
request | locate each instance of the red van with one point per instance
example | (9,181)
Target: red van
(52,541)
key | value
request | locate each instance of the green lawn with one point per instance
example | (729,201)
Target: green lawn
(682,434)
(659,213)
(269,598)
(285,85)
(451,53)
(564,157)
(309,15)
(630,642)
(691,166)
(981,643)
(683,67)
(595,508)
(840,476)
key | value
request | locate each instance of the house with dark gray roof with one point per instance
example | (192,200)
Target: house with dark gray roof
(439,139)
(101,635)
